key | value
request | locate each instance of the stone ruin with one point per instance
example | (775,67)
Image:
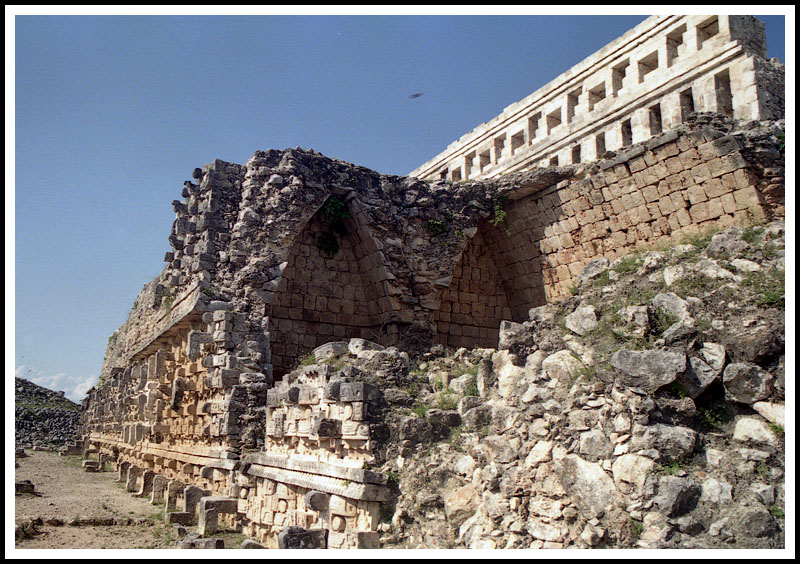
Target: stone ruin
(204,403)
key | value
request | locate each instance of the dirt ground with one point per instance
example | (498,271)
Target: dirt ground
(64,491)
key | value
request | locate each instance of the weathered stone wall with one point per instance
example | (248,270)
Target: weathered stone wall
(671,186)
(198,406)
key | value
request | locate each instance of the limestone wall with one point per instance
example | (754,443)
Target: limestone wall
(647,81)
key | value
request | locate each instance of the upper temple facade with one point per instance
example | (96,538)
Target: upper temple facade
(645,82)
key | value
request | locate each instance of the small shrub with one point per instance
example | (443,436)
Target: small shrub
(752,233)
(500,217)
(601,280)
(714,415)
(636,529)
(777,511)
(436,227)
(420,410)
(328,243)
(447,400)
(777,429)
(308,360)
(700,239)
(628,264)
(661,320)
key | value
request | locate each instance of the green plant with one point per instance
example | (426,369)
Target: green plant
(500,217)
(762,470)
(678,390)
(750,234)
(661,320)
(436,227)
(777,429)
(334,212)
(628,264)
(601,280)
(714,415)
(309,360)
(447,399)
(770,287)
(420,410)
(700,239)
(671,468)
(328,243)
(211,292)
(636,529)
(781,142)
(471,388)
(776,511)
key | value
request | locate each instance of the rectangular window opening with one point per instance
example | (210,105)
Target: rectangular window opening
(647,65)
(533,125)
(707,30)
(675,43)
(600,144)
(517,141)
(687,104)
(576,154)
(499,144)
(455,174)
(722,87)
(468,160)
(554,161)
(572,102)
(553,120)
(485,159)
(655,119)
(627,133)
(618,73)
(596,94)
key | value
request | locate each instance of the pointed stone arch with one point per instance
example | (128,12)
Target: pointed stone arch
(328,296)
(476,301)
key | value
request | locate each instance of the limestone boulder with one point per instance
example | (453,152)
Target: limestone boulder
(716,492)
(589,487)
(562,366)
(676,496)
(647,371)
(460,504)
(632,470)
(754,430)
(772,412)
(746,383)
(673,304)
(672,442)
(583,320)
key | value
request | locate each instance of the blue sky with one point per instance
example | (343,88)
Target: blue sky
(112,113)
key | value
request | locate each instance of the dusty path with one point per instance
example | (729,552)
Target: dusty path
(66,492)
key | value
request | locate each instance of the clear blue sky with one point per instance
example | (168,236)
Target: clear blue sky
(112,114)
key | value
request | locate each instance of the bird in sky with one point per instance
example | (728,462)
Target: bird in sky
(417,95)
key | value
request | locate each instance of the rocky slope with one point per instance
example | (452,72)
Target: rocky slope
(42,417)
(645,411)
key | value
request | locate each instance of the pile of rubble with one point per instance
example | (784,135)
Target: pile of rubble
(645,411)
(43,418)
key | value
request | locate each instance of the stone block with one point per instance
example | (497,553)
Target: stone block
(300,538)
(178,518)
